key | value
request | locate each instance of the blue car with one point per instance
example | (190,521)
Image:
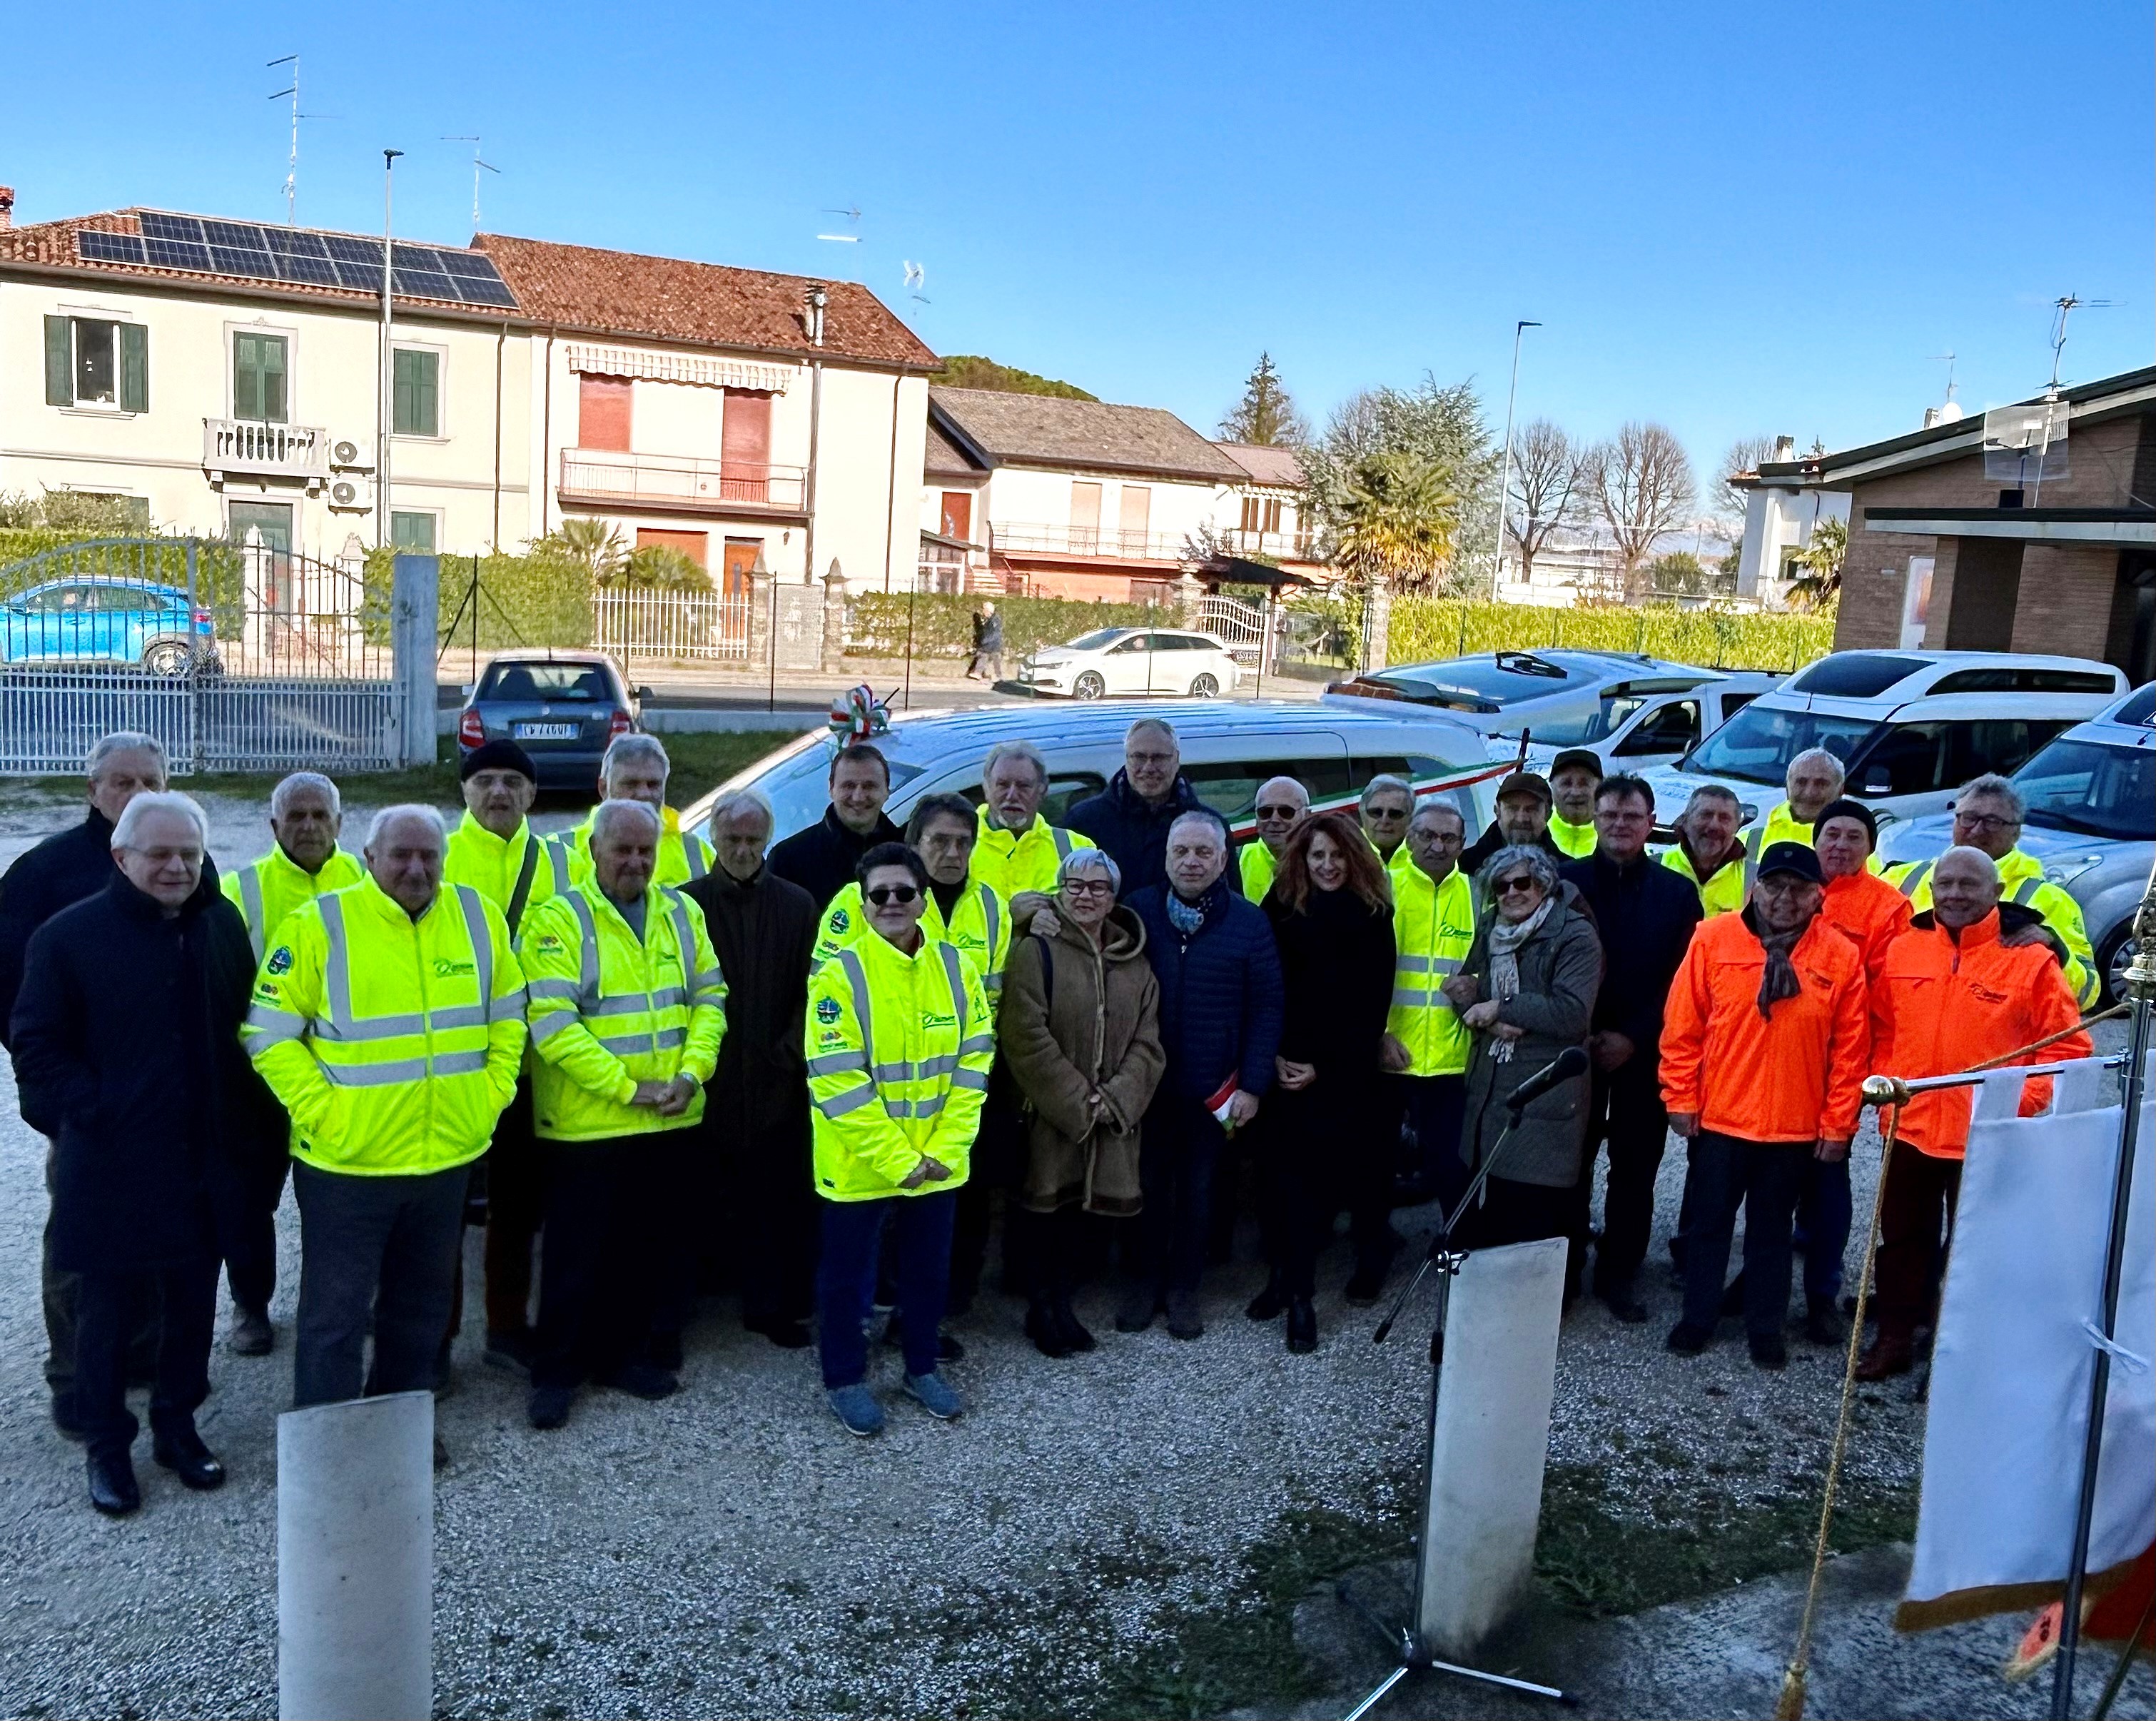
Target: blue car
(107,621)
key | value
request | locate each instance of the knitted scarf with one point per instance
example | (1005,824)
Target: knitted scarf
(1506,938)
(1778,979)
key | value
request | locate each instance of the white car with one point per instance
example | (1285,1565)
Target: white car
(1151,661)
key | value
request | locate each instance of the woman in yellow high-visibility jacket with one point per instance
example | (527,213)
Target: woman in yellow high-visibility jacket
(899,1041)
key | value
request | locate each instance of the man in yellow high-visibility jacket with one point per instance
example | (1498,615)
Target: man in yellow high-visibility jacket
(1574,775)
(1707,852)
(1016,851)
(1987,815)
(497,852)
(1425,1045)
(389,1018)
(1815,778)
(627,1008)
(306,815)
(899,1047)
(635,768)
(1281,804)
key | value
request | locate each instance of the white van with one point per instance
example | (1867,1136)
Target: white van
(1909,727)
(1228,750)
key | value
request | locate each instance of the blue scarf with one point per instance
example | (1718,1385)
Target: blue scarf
(1187,917)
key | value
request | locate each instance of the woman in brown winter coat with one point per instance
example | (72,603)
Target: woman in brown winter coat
(1079,1031)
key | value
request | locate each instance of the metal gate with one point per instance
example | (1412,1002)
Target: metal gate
(676,626)
(237,657)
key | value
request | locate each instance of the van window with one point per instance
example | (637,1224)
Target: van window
(2092,788)
(1671,729)
(1920,758)
(2006,678)
(1758,743)
(1229,786)
(1856,674)
(797,783)
(2139,709)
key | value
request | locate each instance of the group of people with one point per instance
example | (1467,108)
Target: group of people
(821,1069)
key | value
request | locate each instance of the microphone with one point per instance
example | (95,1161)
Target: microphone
(1567,1064)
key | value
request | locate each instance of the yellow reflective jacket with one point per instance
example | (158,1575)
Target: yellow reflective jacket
(1433,926)
(1577,840)
(899,1048)
(492,865)
(393,1043)
(609,1009)
(2022,880)
(267,890)
(682,855)
(980,926)
(1258,863)
(1724,889)
(1008,862)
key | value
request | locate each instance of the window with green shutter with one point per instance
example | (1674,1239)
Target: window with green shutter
(93,361)
(59,360)
(258,377)
(417,377)
(133,367)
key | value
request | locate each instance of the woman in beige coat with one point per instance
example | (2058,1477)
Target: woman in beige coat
(1080,1032)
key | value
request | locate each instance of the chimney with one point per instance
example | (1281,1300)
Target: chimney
(1785,447)
(7,206)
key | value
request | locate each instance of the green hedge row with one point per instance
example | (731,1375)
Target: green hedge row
(1425,628)
(943,624)
(522,600)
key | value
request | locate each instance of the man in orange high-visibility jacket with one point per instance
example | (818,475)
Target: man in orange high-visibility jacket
(1871,911)
(1950,995)
(1765,1041)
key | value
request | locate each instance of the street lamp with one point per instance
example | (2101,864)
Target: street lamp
(1504,489)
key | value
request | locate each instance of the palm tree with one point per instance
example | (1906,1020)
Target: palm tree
(597,543)
(1820,582)
(661,567)
(1397,520)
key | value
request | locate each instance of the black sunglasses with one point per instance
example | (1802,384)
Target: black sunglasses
(881,894)
(1278,811)
(1518,886)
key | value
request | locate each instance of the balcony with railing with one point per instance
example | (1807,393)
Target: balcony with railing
(1278,546)
(680,484)
(250,449)
(1088,541)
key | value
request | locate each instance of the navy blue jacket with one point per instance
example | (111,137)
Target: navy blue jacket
(1134,833)
(1220,993)
(1645,914)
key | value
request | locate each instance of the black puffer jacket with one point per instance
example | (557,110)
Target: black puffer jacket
(1134,831)
(821,859)
(61,869)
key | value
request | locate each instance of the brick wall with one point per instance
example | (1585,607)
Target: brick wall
(2065,599)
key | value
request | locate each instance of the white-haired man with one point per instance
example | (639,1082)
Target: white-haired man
(1281,804)
(62,870)
(635,768)
(1130,817)
(1386,803)
(1813,778)
(1018,851)
(389,1018)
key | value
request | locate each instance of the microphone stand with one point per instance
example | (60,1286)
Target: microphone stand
(1414,1654)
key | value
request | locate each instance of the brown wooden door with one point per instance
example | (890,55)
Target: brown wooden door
(745,447)
(602,412)
(741,554)
(695,545)
(958,515)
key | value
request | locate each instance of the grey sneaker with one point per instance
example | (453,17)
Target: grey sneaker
(252,1334)
(1184,1320)
(934,1396)
(857,1409)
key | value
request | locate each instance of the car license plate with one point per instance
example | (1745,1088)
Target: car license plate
(545,732)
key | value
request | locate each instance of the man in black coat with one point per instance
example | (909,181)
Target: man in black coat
(60,870)
(140,1085)
(754,1141)
(821,859)
(1645,913)
(1130,818)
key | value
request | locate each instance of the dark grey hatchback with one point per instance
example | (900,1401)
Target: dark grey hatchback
(561,707)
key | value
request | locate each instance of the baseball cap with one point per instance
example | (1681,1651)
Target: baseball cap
(1579,757)
(1790,857)
(1526,783)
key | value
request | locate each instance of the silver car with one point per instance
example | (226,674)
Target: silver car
(560,707)
(2092,821)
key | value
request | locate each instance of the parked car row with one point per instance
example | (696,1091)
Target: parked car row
(1153,662)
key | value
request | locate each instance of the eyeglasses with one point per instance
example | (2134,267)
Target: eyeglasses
(1088,887)
(1140,758)
(1518,886)
(1985,821)
(902,894)
(1278,812)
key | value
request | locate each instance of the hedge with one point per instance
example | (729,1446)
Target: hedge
(1426,628)
(523,600)
(942,623)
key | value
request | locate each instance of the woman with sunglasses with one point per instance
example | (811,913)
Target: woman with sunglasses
(1323,1143)
(1080,1031)
(899,1042)
(1527,989)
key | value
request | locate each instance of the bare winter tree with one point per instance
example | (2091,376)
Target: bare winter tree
(1642,485)
(1728,501)
(1550,483)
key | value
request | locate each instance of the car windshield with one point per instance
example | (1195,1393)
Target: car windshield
(1758,743)
(1579,728)
(1098,638)
(797,782)
(2090,788)
(562,681)
(1482,684)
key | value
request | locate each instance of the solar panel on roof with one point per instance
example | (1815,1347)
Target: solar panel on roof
(255,252)
(287,242)
(475,264)
(480,292)
(187,228)
(110,247)
(316,271)
(239,235)
(424,284)
(175,254)
(255,265)
(363,277)
(345,249)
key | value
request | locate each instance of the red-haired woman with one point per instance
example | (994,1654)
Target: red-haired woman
(1331,910)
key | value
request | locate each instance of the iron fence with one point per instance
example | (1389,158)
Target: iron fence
(680,626)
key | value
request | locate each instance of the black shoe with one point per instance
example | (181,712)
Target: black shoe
(1138,1307)
(1768,1352)
(113,1489)
(1732,1295)
(1041,1328)
(1366,1283)
(182,1451)
(1687,1340)
(1821,1324)
(1624,1306)
(1074,1330)
(786,1335)
(664,1352)
(63,1416)
(1268,1303)
(509,1350)
(642,1380)
(1301,1326)
(252,1335)
(1183,1319)
(548,1406)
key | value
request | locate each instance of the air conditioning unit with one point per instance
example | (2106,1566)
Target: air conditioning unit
(349,492)
(347,455)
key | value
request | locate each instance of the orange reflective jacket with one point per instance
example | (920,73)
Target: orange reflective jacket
(1796,1077)
(1871,911)
(1940,1006)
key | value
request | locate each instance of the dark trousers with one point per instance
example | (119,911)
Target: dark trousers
(1318,1152)
(1056,1249)
(605,1268)
(61,1291)
(776,1221)
(1182,1145)
(515,1201)
(1763,1177)
(386,1247)
(1431,1108)
(1625,1107)
(250,1227)
(1509,1212)
(1823,1222)
(992,1172)
(1918,1206)
(846,1279)
(107,1305)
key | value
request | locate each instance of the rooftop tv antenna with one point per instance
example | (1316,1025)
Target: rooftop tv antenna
(292,165)
(2062,310)
(472,139)
(916,278)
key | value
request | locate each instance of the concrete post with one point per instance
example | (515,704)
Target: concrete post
(1189,595)
(1376,624)
(835,618)
(756,584)
(355,1559)
(414,628)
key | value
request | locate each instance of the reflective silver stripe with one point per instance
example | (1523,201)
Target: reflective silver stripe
(588,957)
(992,915)
(993,984)
(709,979)
(2026,889)
(482,941)
(976,1043)
(557,859)
(636,1003)
(955,973)
(850,964)
(375,1075)
(461,1015)
(250,898)
(547,1023)
(1412,965)
(976,1079)
(894,1072)
(508,1005)
(660,1040)
(457,1063)
(837,1063)
(1420,997)
(1910,881)
(1063,845)
(337,963)
(851,1100)
(272,1026)
(549,988)
(697,865)
(918,1108)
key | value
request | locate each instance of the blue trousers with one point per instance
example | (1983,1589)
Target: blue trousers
(1763,1177)
(846,1279)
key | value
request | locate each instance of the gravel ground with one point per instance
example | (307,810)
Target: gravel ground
(732,1552)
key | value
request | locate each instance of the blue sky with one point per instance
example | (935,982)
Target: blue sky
(1734,221)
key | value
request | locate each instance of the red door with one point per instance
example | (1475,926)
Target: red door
(958,515)
(745,447)
(602,413)
(741,554)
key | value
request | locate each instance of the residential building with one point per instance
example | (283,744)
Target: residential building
(1780,516)
(1266,519)
(1967,534)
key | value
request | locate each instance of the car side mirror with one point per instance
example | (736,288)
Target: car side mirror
(470,688)
(1877,782)
(641,693)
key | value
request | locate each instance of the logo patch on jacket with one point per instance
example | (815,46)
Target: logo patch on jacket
(838,922)
(932,1018)
(1986,993)
(445,970)
(280,960)
(828,1010)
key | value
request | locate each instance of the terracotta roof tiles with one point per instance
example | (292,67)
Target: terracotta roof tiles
(1079,435)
